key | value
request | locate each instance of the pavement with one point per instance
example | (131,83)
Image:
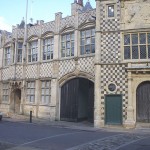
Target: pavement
(84,125)
(121,138)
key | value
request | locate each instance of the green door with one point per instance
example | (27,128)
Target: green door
(113,109)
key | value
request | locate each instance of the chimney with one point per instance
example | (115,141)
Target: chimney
(80,2)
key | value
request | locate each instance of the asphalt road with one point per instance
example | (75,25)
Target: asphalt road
(25,136)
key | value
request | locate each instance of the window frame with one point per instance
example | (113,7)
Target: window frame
(44,94)
(31,53)
(6,54)
(131,45)
(65,41)
(17,52)
(7,92)
(31,89)
(51,53)
(115,10)
(85,39)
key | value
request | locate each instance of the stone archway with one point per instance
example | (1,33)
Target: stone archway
(15,101)
(143,102)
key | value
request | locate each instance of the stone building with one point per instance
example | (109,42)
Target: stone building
(93,65)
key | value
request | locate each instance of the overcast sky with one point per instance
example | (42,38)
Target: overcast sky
(12,11)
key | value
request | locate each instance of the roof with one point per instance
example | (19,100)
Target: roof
(87,6)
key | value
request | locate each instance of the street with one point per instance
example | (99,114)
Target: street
(26,136)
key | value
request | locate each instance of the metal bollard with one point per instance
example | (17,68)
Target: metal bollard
(30,116)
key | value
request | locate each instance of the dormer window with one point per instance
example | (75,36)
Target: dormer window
(111,11)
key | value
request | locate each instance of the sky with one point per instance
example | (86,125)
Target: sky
(13,11)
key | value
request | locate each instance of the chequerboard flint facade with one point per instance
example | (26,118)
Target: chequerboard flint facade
(93,65)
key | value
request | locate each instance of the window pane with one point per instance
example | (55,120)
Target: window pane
(42,99)
(47,84)
(134,38)
(82,41)
(82,34)
(127,52)
(93,32)
(68,52)
(44,56)
(68,37)
(68,45)
(149,51)
(88,33)
(47,99)
(148,38)
(82,50)
(111,11)
(72,37)
(142,38)
(87,49)
(93,40)
(135,54)
(32,91)
(143,52)
(127,39)
(72,51)
(63,53)
(88,41)
(47,92)
(43,91)
(93,48)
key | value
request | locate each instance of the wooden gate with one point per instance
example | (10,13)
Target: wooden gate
(77,100)
(143,102)
(113,109)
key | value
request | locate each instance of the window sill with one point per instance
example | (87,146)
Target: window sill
(87,55)
(135,60)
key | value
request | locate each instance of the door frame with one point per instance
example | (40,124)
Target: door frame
(63,81)
(121,108)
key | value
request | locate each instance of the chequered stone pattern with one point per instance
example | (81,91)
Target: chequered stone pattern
(110,36)
(86,16)
(19,72)
(68,21)
(20,33)
(8,73)
(109,24)
(86,64)
(110,46)
(34,30)
(46,69)
(114,74)
(65,67)
(50,26)
(31,71)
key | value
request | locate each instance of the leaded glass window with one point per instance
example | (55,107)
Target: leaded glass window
(45,92)
(33,51)
(87,41)
(67,45)
(48,48)
(31,91)
(5,92)
(137,46)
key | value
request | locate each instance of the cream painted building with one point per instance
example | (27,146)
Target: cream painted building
(93,65)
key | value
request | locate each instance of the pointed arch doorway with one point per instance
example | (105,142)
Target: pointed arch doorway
(15,101)
(143,102)
(77,100)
